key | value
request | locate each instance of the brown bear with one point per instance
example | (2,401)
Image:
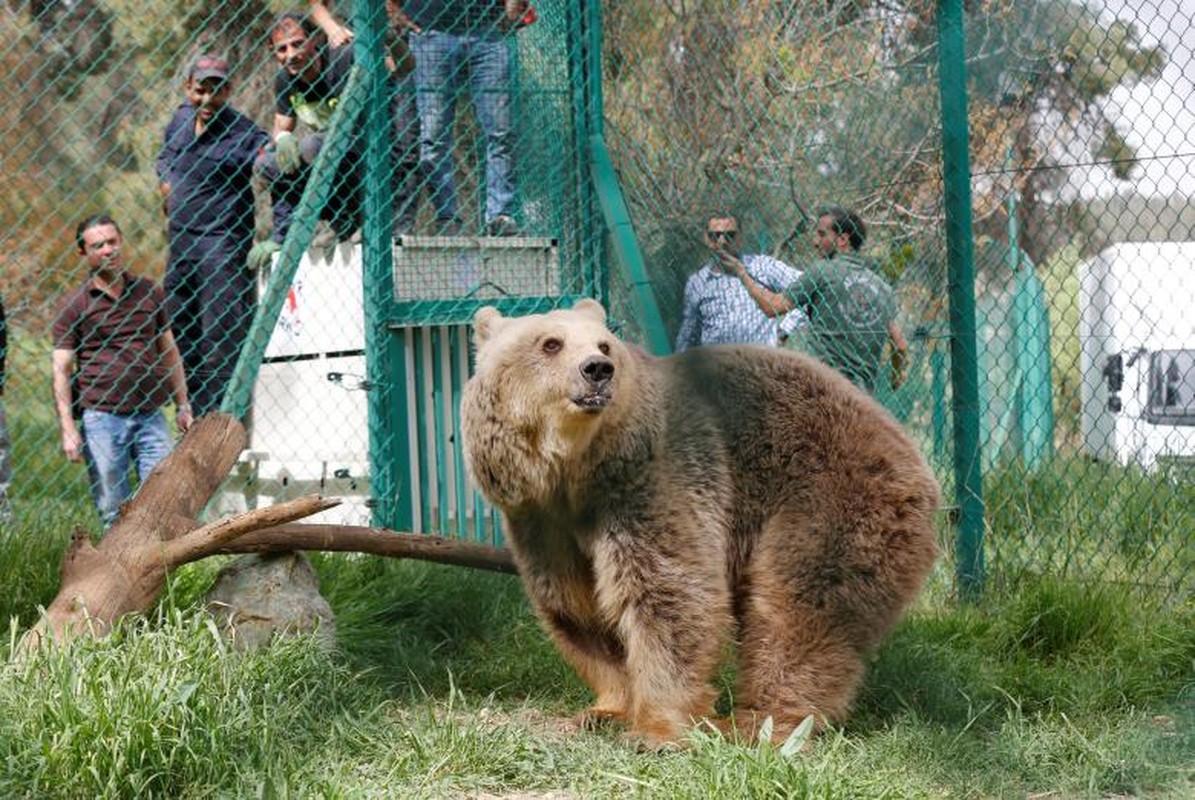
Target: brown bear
(659,508)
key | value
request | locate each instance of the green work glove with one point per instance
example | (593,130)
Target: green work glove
(261,254)
(286,153)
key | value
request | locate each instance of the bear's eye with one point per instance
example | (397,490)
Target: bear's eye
(604,349)
(552,346)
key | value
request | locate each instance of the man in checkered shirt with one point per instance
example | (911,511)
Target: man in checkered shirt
(718,307)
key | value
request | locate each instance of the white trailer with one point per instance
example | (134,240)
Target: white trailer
(1137,337)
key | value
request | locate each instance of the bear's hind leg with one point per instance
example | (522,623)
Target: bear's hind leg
(792,667)
(801,636)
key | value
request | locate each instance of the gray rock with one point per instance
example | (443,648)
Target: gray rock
(257,597)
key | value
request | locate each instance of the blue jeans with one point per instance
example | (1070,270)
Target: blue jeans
(443,62)
(112,443)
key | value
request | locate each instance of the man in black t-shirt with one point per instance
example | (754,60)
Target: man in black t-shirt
(307,89)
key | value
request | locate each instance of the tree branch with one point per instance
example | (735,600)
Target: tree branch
(375,541)
(207,540)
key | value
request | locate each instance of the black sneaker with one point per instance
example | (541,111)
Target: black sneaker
(502,225)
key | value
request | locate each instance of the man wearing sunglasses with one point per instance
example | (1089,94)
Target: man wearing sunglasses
(719,309)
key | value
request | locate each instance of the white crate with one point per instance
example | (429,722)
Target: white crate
(324,310)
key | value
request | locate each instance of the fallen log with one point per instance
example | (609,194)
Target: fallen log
(158,531)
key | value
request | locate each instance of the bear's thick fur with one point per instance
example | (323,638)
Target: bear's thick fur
(659,508)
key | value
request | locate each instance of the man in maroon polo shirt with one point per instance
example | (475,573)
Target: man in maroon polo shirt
(114,329)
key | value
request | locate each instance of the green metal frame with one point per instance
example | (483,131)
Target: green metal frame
(598,207)
(388,443)
(601,207)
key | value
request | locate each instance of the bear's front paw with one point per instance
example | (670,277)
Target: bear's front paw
(598,718)
(647,743)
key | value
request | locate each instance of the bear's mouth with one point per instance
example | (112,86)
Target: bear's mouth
(593,401)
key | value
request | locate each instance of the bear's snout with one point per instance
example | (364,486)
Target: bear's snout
(597,370)
(596,392)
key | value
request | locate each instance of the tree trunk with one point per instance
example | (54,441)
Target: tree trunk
(157,531)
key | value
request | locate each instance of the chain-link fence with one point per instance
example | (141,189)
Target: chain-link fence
(591,145)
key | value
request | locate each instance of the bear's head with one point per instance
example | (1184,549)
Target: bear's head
(543,386)
(566,360)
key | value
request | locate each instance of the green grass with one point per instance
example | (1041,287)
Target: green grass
(444,686)
(1073,677)
(1092,521)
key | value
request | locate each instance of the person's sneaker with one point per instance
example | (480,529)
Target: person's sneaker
(502,225)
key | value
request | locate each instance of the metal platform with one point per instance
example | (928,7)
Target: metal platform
(475,267)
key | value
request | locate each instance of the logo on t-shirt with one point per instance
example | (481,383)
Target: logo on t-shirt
(861,302)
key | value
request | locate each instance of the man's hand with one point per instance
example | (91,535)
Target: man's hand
(72,443)
(164,192)
(261,255)
(399,19)
(900,355)
(286,153)
(183,417)
(515,9)
(898,373)
(731,264)
(339,35)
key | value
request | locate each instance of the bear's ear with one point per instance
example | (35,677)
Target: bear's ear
(591,308)
(486,323)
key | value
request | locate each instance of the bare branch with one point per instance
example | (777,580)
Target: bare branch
(375,541)
(208,539)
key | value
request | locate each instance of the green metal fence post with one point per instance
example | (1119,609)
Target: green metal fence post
(590,38)
(626,247)
(964,371)
(627,254)
(585,59)
(370,22)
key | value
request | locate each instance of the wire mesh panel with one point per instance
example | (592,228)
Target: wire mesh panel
(586,154)
(1080,155)
(198,133)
